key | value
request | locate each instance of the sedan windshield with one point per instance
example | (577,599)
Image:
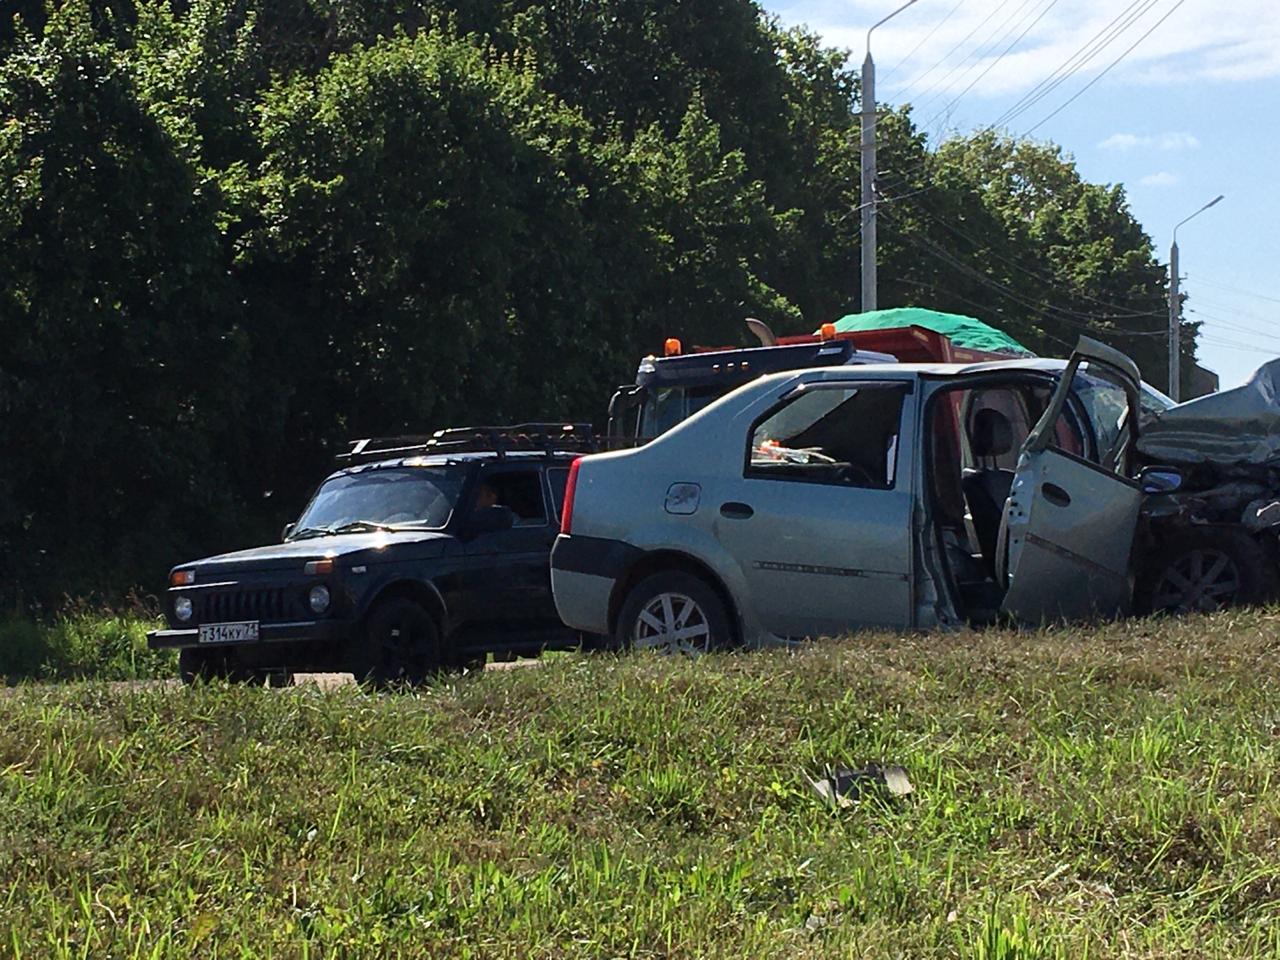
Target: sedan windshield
(385,498)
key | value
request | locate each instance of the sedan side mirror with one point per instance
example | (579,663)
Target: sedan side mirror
(288,530)
(1156,480)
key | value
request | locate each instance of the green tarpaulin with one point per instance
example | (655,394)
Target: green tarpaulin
(961,330)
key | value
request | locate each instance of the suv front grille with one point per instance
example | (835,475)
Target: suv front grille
(265,603)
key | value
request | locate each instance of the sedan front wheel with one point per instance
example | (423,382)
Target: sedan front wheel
(1204,570)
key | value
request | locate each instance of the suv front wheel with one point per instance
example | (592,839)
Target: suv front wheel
(400,643)
(212,663)
(673,612)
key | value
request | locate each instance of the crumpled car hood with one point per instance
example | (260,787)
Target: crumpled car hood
(1236,426)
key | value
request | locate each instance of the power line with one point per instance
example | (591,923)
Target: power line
(946,56)
(1223,286)
(945,111)
(984,308)
(1043,310)
(1236,327)
(1244,314)
(1076,96)
(976,54)
(1117,312)
(1234,345)
(1078,60)
(927,37)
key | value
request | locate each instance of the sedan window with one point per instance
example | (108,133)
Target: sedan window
(837,433)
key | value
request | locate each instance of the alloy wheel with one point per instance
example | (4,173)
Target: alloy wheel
(1199,581)
(672,623)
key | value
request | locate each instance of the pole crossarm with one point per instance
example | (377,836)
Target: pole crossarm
(881,23)
(1211,203)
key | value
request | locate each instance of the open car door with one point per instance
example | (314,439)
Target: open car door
(1069,522)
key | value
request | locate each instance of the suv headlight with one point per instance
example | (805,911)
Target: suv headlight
(319,598)
(182,609)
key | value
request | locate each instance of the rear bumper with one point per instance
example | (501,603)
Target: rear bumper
(582,600)
(584,572)
(301,631)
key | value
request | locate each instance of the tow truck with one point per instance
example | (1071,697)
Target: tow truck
(671,388)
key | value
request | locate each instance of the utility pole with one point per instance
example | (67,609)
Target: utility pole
(1175,309)
(1175,325)
(868,199)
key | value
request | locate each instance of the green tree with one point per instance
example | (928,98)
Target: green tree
(117,318)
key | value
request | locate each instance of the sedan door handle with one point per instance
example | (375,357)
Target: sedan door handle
(1056,495)
(733,510)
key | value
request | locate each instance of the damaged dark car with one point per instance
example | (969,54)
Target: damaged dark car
(1210,536)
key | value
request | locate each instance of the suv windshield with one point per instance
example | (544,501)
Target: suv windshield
(383,498)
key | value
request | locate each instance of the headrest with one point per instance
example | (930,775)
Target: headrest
(992,433)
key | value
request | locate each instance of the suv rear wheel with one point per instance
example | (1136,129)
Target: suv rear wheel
(400,643)
(1204,570)
(674,612)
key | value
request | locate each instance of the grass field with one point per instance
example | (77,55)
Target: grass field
(1078,793)
(79,645)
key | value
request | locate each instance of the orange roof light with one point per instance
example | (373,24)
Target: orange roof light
(672,347)
(828,331)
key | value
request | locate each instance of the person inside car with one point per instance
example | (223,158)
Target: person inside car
(488,504)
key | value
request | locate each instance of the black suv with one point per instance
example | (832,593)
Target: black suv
(424,554)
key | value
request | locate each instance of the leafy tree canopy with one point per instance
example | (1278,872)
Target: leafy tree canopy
(238,232)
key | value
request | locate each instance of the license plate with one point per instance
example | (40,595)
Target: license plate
(246,632)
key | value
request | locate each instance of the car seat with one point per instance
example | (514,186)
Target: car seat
(987,488)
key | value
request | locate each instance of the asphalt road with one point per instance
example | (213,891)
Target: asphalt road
(325,681)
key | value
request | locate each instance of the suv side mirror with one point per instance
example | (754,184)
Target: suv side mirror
(1156,480)
(288,529)
(490,519)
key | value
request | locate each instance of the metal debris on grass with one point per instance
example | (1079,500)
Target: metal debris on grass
(843,787)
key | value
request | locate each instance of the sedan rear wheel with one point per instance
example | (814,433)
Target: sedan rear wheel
(674,613)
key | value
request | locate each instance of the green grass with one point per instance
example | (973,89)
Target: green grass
(1096,793)
(82,645)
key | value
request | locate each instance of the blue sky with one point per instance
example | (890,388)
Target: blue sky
(1191,112)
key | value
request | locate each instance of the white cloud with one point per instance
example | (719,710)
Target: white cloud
(1162,179)
(1000,48)
(1161,141)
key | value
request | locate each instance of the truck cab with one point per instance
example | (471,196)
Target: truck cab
(671,388)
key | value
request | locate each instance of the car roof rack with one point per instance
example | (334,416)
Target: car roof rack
(547,438)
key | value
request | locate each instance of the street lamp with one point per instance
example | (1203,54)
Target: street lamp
(868,199)
(1175,309)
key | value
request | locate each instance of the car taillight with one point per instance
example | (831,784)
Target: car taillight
(570,488)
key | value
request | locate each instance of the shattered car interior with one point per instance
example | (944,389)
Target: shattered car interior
(975,433)
(1207,474)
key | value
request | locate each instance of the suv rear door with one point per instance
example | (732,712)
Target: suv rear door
(1069,522)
